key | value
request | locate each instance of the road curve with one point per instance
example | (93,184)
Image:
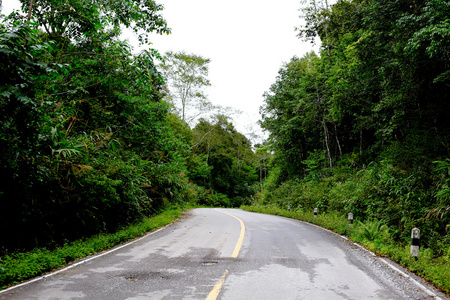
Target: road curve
(229,254)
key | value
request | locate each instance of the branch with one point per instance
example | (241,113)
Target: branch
(89,53)
(66,92)
(201,140)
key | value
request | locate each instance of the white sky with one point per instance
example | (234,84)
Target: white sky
(246,40)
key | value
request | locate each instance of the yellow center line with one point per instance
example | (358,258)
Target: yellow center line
(237,248)
(216,290)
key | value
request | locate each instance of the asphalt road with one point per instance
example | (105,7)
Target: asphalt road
(230,254)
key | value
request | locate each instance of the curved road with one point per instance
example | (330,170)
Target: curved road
(230,254)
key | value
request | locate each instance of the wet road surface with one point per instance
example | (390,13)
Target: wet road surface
(230,254)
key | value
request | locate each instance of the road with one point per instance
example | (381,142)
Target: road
(230,254)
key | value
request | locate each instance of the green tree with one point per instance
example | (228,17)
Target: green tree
(373,106)
(91,143)
(21,177)
(83,19)
(432,36)
(186,79)
(295,113)
(225,156)
(263,155)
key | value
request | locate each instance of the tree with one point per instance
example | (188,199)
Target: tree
(316,16)
(433,35)
(296,114)
(86,143)
(225,157)
(263,155)
(21,118)
(82,19)
(186,78)
(375,104)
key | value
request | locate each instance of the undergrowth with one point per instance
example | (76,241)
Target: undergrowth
(376,237)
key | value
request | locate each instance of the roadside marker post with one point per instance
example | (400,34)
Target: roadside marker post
(350,218)
(315,212)
(415,242)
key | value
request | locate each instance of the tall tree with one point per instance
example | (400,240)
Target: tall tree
(295,114)
(316,22)
(186,79)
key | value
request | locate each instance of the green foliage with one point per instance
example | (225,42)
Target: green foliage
(87,145)
(82,19)
(222,159)
(432,38)
(371,230)
(443,193)
(380,191)
(289,114)
(316,165)
(362,128)
(19,111)
(374,85)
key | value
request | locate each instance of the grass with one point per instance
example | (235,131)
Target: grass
(375,237)
(17,267)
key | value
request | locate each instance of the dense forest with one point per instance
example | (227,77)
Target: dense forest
(364,126)
(88,142)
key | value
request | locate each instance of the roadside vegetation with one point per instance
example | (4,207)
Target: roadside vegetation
(88,144)
(363,128)
(95,137)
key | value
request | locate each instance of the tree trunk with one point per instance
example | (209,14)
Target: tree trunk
(324,125)
(326,33)
(337,139)
(260,173)
(30,7)
(360,142)
(325,131)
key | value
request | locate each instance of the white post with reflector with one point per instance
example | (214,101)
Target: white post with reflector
(415,242)
(350,218)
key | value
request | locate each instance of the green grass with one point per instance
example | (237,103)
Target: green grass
(18,267)
(377,238)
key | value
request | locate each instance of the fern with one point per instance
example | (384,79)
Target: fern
(371,230)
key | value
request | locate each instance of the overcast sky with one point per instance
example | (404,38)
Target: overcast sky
(246,40)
